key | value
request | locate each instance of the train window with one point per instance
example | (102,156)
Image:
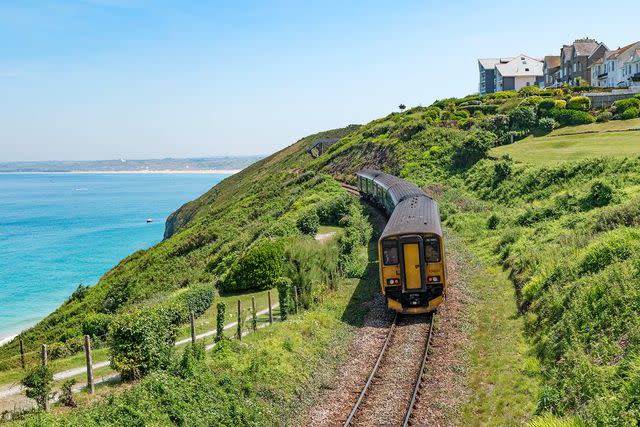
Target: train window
(432,249)
(389,253)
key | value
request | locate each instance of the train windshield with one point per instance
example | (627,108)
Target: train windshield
(390,252)
(432,249)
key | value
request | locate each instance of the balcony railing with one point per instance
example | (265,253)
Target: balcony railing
(635,77)
(603,75)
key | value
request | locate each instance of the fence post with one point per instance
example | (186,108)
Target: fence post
(295,295)
(44,355)
(87,353)
(254,314)
(22,359)
(44,363)
(220,321)
(193,328)
(270,313)
(239,333)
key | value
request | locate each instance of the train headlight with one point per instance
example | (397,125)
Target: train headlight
(392,282)
(433,279)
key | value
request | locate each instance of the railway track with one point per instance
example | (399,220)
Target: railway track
(392,389)
(351,189)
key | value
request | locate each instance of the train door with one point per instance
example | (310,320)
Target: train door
(412,263)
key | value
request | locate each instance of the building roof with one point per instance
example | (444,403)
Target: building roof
(552,61)
(521,66)
(585,47)
(624,54)
(491,62)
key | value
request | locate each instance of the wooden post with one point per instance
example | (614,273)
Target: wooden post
(270,313)
(239,321)
(44,363)
(254,314)
(193,328)
(295,295)
(44,355)
(511,138)
(87,352)
(22,360)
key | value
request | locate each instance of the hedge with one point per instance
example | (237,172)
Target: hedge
(581,103)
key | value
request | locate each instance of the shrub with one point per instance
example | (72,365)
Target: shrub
(498,124)
(624,104)
(309,222)
(473,148)
(630,113)
(493,221)
(96,325)
(196,299)
(599,195)
(571,117)
(284,286)
(257,269)
(66,395)
(604,116)
(531,101)
(547,124)
(547,104)
(39,383)
(194,354)
(141,340)
(530,90)
(580,103)
(523,118)
(560,103)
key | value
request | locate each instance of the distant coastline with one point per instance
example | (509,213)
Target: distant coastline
(165,171)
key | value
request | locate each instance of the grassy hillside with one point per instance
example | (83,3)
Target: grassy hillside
(613,139)
(564,234)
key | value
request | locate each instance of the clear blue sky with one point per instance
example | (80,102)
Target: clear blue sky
(102,79)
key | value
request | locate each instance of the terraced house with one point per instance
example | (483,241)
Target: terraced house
(617,68)
(577,58)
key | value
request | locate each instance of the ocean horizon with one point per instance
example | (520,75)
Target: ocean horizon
(61,230)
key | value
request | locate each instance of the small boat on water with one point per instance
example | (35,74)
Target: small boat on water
(149,220)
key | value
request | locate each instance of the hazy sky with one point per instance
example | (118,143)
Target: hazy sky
(102,79)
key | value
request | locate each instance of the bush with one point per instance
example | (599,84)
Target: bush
(309,222)
(194,354)
(257,269)
(66,395)
(630,113)
(547,124)
(571,117)
(96,325)
(531,101)
(560,103)
(39,383)
(624,104)
(220,321)
(523,118)
(498,124)
(600,195)
(473,148)
(493,221)
(604,116)
(285,287)
(530,90)
(141,340)
(547,104)
(196,299)
(580,103)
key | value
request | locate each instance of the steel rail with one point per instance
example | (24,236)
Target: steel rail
(416,388)
(373,373)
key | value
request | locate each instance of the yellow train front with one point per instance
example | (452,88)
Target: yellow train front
(411,246)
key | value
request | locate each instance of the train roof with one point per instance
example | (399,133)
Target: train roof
(403,190)
(368,173)
(415,215)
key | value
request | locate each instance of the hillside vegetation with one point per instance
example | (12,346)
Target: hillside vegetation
(566,235)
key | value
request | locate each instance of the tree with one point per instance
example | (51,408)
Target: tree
(402,107)
(473,148)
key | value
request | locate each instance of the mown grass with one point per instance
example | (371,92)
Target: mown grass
(572,147)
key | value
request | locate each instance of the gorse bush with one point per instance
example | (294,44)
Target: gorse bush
(624,104)
(630,113)
(581,103)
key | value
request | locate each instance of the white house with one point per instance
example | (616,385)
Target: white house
(521,71)
(617,68)
(631,69)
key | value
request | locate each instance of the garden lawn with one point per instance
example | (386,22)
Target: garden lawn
(562,148)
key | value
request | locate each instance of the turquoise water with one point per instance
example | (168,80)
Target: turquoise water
(61,230)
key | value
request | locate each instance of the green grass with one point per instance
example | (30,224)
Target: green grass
(565,147)
(613,125)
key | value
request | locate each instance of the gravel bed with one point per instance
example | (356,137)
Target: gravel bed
(387,400)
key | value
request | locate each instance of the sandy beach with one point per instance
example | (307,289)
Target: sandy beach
(6,339)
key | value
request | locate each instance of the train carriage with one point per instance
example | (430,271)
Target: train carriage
(411,247)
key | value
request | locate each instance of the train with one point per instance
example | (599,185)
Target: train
(411,251)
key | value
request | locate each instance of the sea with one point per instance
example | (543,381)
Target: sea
(61,230)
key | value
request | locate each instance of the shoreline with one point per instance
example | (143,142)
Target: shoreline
(6,339)
(159,171)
